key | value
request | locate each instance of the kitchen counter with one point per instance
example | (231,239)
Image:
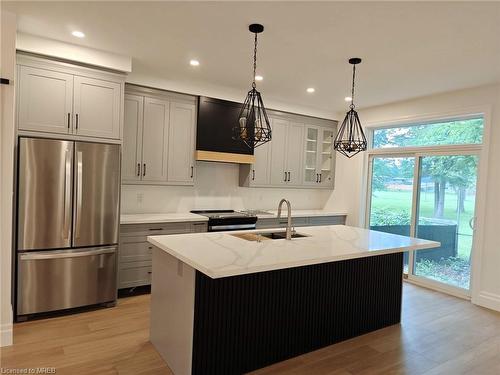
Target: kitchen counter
(160,218)
(223,254)
(233,302)
(301,213)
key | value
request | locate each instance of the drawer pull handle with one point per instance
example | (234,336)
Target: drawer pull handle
(150,247)
(155,228)
(150,272)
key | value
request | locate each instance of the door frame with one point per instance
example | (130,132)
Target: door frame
(482,150)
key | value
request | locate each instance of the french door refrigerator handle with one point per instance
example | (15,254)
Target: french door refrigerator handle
(67,193)
(65,254)
(79,193)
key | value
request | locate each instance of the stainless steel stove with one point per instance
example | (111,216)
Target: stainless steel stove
(225,220)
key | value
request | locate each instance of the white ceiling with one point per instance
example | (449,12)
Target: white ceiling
(408,49)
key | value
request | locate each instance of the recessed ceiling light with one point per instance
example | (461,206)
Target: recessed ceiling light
(259,78)
(78,34)
(194,62)
(347,98)
(310,89)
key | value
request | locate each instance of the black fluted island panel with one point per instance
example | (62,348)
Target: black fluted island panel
(242,323)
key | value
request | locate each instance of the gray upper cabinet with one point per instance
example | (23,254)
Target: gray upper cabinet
(45,100)
(318,157)
(155,140)
(298,156)
(159,138)
(293,157)
(278,152)
(132,138)
(96,107)
(181,143)
(64,99)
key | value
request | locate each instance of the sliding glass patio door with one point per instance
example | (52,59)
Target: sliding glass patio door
(430,196)
(445,212)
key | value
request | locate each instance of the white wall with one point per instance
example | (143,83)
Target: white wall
(486,263)
(73,52)
(216,187)
(7,70)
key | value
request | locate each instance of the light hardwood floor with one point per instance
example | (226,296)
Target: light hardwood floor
(439,334)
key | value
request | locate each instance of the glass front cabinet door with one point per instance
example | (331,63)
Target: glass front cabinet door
(318,165)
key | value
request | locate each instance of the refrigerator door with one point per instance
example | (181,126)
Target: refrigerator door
(61,279)
(44,194)
(97,194)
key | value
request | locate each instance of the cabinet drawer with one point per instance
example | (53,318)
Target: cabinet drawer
(141,231)
(135,251)
(135,276)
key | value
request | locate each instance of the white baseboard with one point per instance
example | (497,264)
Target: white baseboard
(488,300)
(6,334)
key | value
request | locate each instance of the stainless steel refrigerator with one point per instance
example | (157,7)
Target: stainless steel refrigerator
(67,224)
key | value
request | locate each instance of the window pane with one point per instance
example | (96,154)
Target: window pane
(391,200)
(465,131)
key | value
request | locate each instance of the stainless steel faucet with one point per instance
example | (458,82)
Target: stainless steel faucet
(289,213)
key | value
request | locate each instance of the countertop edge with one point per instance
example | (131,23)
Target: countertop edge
(215,275)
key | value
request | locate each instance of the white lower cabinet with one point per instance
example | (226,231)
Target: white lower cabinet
(159,139)
(135,253)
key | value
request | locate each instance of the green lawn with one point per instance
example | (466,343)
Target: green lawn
(400,201)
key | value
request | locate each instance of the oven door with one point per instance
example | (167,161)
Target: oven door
(62,279)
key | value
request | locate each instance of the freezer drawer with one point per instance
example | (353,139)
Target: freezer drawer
(62,279)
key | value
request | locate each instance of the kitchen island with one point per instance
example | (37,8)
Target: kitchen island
(233,302)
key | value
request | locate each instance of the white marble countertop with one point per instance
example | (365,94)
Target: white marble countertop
(221,254)
(160,218)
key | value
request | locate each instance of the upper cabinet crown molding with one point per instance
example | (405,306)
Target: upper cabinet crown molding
(71,101)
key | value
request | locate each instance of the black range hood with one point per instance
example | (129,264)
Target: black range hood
(214,134)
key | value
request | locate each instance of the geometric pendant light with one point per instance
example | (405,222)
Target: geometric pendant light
(350,138)
(252,125)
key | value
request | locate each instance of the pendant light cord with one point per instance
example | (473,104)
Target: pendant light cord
(353,80)
(254,62)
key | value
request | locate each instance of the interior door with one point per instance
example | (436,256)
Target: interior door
(295,142)
(278,152)
(181,142)
(97,107)
(97,194)
(44,194)
(132,138)
(45,100)
(155,140)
